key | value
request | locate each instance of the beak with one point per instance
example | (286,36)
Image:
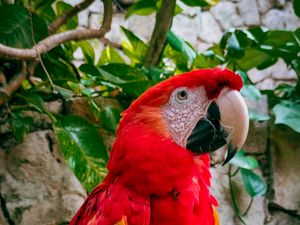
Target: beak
(226,124)
(234,120)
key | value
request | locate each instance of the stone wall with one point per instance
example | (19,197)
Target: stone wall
(36,187)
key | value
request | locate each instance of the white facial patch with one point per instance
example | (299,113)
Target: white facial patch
(184,109)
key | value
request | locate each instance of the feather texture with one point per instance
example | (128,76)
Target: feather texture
(152,180)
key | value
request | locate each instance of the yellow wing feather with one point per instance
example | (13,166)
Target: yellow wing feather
(216,216)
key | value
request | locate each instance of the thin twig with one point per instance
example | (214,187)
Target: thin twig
(162,24)
(234,202)
(56,39)
(13,84)
(56,24)
(37,51)
(248,208)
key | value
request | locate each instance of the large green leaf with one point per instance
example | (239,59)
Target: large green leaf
(63,7)
(60,70)
(243,161)
(88,51)
(83,149)
(180,45)
(288,113)
(90,70)
(124,72)
(134,48)
(254,184)
(280,43)
(235,44)
(251,92)
(253,58)
(136,88)
(110,55)
(15,29)
(110,118)
(142,7)
(34,101)
(296,5)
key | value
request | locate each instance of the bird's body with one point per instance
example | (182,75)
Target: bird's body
(153,178)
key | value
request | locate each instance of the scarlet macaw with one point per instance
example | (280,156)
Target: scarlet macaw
(159,163)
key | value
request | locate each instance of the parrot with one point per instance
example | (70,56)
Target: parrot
(159,165)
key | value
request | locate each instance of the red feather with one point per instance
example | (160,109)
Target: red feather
(152,180)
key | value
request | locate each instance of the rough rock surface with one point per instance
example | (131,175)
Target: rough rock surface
(285,160)
(256,141)
(35,184)
(220,189)
(210,32)
(226,14)
(249,12)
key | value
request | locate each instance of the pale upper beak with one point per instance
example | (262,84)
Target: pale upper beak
(226,124)
(234,120)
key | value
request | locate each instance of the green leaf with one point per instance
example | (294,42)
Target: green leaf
(134,48)
(279,43)
(76,87)
(258,116)
(243,161)
(65,93)
(124,72)
(296,5)
(59,69)
(244,76)
(110,55)
(254,184)
(253,58)
(207,59)
(288,113)
(90,70)
(15,28)
(251,92)
(20,125)
(136,88)
(107,76)
(258,34)
(234,45)
(200,2)
(63,7)
(180,45)
(142,7)
(88,51)
(83,149)
(44,9)
(110,118)
(34,100)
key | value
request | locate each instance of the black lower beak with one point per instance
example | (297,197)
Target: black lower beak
(208,135)
(230,154)
(205,138)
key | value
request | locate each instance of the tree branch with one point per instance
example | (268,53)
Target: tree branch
(53,27)
(56,39)
(13,84)
(162,24)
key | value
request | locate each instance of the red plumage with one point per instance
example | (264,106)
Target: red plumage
(152,180)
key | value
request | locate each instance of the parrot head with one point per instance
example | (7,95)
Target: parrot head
(200,110)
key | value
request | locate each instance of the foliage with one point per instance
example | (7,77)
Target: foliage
(120,74)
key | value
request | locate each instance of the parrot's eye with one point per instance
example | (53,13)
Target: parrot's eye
(182,95)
